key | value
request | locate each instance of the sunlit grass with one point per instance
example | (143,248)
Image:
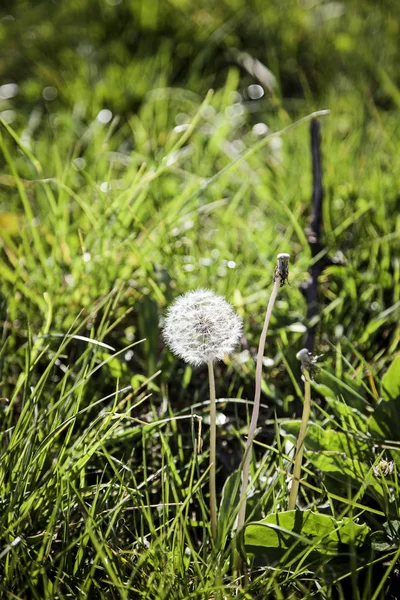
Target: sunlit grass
(104,454)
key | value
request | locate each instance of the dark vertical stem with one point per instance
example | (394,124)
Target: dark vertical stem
(317,190)
(314,232)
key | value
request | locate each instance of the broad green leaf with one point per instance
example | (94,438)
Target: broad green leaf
(354,418)
(346,470)
(391,381)
(318,439)
(384,423)
(294,533)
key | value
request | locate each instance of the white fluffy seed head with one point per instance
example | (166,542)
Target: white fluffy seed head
(201,326)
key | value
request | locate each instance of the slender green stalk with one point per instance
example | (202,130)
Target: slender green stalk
(300,440)
(256,405)
(213,454)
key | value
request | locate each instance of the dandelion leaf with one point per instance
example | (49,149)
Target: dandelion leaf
(305,536)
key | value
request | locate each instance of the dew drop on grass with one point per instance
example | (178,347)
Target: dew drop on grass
(268,362)
(188,268)
(180,128)
(297,328)
(205,262)
(50,93)
(104,116)
(221,419)
(255,91)
(260,129)
(8,90)
(339,331)
(79,164)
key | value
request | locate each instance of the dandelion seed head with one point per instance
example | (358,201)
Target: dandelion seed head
(201,326)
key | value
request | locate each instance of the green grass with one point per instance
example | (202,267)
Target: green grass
(103,484)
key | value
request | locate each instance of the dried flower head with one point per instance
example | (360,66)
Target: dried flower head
(282,268)
(201,327)
(309,361)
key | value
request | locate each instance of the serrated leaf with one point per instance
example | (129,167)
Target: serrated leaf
(294,532)
(319,439)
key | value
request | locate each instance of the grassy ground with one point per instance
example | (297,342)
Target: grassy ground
(135,184)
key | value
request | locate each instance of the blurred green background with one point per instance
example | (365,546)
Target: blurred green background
(115,176)
(111,53)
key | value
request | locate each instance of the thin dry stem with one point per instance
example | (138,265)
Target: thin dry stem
(256,405)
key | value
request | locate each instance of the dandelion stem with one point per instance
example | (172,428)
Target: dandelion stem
(294,490)
(213,454)
(256,405)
